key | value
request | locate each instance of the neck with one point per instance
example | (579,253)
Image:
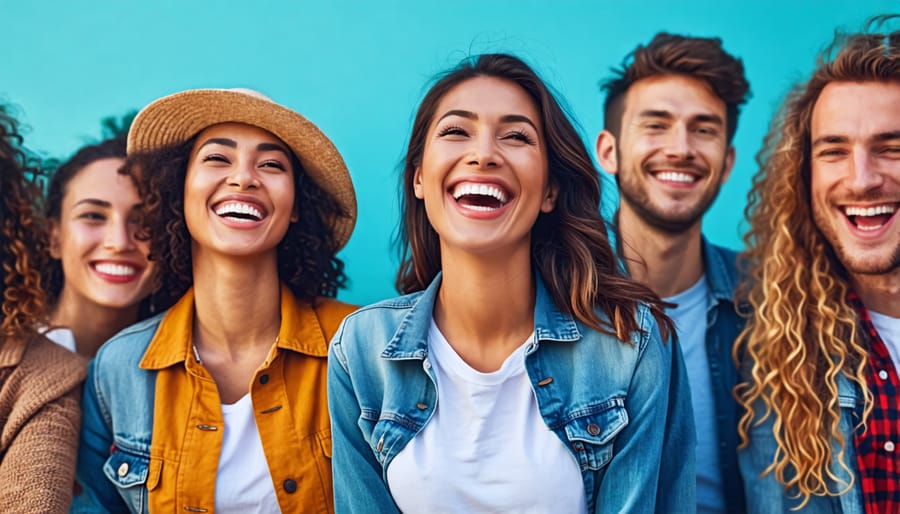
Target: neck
(485,306)
(665,262)
(237,303)
(879,293)
(91,324)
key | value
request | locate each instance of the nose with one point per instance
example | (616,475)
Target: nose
(484,153)
(243,176)
(119,235)
(865,174)
(678,144)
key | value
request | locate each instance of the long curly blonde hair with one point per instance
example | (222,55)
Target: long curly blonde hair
(802,335)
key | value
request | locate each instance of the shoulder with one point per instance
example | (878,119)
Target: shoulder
(331,312)
(385,312)
(370,329)
(125,349)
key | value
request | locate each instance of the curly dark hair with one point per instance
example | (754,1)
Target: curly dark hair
(307,255)
(569,246)
(22,248)
(53,277)
(697,57)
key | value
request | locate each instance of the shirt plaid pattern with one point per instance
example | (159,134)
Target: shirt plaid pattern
(878,448)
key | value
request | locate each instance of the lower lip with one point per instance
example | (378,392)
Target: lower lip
(116,279)
(478,215)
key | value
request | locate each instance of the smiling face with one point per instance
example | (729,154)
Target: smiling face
(94,238)
(484,176)
(238,191)
(672,154)
(855,173)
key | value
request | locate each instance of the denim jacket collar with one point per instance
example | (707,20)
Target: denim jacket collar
(410,341)
(721,275)
(299,332)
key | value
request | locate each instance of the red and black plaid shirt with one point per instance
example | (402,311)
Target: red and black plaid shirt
(878,448)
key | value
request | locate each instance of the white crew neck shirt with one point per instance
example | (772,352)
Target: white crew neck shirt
(486,447)
(243,482)
(889,331)
(689,316)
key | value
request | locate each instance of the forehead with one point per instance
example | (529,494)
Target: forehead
(237,131)
(488,97)
(676,94)
(101,180)
(856,110)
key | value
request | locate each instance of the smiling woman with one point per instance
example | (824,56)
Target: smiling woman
(99,273)
(219,402)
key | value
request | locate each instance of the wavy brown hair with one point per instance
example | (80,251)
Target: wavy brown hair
(569,245)
(697,57)
(802,333)
(22,249)
(307,255)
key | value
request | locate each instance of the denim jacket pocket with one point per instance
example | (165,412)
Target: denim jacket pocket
(592,431)
(129,473)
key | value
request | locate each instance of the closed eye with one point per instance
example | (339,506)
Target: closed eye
(452,130)
(214,157)
(273,164)
(519,135)
(92,216)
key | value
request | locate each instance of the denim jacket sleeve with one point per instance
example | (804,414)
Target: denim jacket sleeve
(655,452)
(97,493)
(358,482)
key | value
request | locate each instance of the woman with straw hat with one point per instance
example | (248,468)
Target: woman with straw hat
(218,404)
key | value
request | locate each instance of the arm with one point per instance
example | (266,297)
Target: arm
(652,469)
(38,469)
(97,494)
(358,483)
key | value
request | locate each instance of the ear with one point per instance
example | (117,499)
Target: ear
(417,184)
(606,152)
(54,239)
(729,163)
(549,202)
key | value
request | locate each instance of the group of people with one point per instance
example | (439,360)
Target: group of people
(171,343)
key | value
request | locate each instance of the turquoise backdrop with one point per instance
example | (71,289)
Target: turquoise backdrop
(358,69)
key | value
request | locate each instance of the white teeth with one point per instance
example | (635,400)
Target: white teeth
(675,176)
(479,189)
(238,208)
(870,211)
(119,270)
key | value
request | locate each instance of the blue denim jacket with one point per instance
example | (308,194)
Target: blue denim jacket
(723,324)
(766,495)
(622,409)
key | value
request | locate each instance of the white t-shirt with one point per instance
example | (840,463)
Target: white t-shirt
(486,447)
(690,322)
(243,482)
(889,330)
(61,336)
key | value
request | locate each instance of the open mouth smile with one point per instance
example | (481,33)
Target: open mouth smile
(869,219)
(240,212)
(479,196)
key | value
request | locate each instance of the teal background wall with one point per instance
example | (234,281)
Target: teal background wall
(358,69)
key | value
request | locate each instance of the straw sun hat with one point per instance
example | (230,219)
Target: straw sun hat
(176,118)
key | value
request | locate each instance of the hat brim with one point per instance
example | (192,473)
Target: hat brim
(176,118)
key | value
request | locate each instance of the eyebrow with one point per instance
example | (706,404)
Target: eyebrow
(506,118)
(702,118)
(95,202)
(262,147)
(835,139)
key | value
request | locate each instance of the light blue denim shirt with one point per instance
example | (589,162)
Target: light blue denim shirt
(765,495)
(623,410)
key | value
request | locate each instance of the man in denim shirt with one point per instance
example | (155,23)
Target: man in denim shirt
(822,350)
(670,115)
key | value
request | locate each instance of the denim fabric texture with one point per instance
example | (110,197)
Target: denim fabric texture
(621,408)
(723,325)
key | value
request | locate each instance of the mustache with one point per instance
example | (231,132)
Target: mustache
(869,197)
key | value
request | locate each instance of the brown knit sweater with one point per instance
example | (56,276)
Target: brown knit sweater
(40,415)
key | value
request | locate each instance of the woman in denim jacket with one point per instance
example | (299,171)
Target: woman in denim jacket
(523,372)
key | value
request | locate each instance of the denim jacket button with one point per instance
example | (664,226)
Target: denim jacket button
(290,486)
(426,364)
(593,429)
(123,469)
